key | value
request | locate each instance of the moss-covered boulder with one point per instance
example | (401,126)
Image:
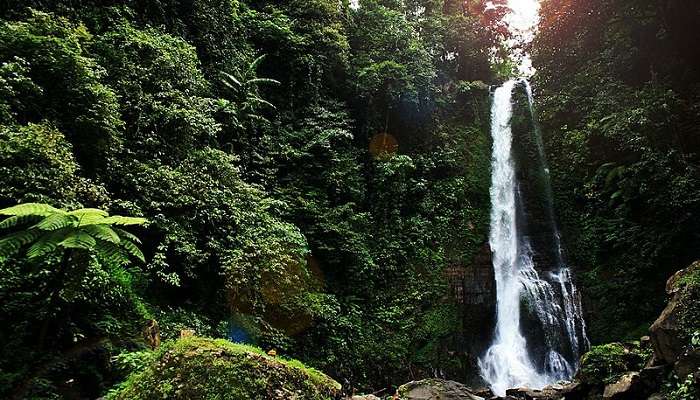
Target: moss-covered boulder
(672,332)
(199,368)
(606,363)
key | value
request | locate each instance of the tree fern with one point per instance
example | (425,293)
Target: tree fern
(55,221)
(13,243)
(51,230)
(16,220)
(103,232)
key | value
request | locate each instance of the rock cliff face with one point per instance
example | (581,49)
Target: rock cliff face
(474,289)
(479,305)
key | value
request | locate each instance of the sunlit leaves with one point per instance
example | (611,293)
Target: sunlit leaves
(86,229)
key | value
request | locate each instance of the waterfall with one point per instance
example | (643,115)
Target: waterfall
(509,362)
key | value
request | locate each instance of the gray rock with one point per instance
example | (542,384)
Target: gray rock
(483,392)
(652,377)
(436,389)
(552,392)
(365,397)
(575,391)
(628,387)
(656,396)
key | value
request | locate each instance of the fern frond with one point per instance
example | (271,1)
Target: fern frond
(255,64)
(127,235)
(258,100)
(111,254)
(47,243)
(16,220)
(13,243)
(84,212)
(91,220)
(102,232)
(56,221)
(133,250)
(43,210)
(262,80)
(229,77)
(119,220)
(78,240)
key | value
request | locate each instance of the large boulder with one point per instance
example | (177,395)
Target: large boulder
(199,368)
(667,332)
(436,389)
(628,387)
(552,392)
(671,333)
(605,364)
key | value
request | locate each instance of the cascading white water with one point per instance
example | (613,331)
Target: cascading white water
(508,362)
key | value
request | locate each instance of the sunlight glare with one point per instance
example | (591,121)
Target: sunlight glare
(525,14)
(523,20)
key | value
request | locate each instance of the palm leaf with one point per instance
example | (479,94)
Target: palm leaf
(43,210)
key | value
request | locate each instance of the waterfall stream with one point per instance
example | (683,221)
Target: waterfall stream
(550,296)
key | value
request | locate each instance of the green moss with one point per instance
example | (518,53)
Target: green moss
(200,368)
(606,363)
(689,300)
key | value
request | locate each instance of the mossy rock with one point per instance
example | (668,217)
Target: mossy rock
(200,368)
(605,364)
(672,333)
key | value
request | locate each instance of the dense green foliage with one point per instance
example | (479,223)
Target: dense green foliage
(310,170)
(605,363)
(269,219)
(618,97)
(196,368)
